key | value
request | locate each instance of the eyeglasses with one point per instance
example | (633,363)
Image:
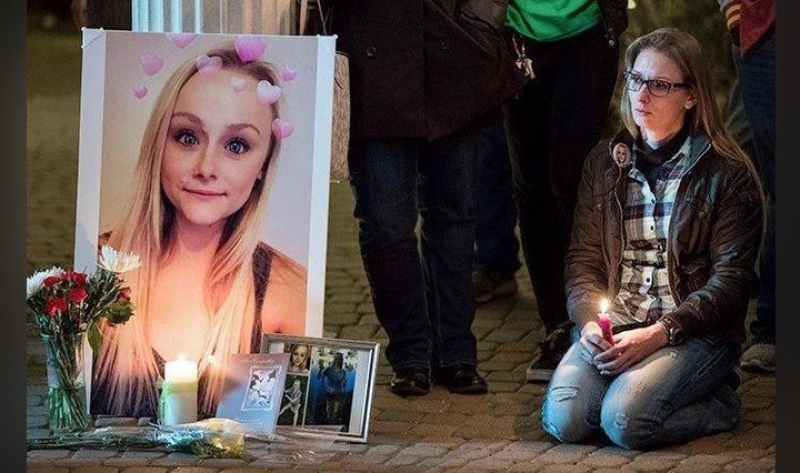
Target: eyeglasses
(657,87)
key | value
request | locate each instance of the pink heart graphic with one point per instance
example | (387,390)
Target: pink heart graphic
(208,65)
(140,92)
(181,40)
(287,73)
(267,92)
(249,48)
(151,64)
(281,129)
(238,84)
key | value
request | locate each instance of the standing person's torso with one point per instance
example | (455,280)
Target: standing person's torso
(417,70)
(552,20)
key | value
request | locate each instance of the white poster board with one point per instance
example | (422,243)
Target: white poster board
(122,77)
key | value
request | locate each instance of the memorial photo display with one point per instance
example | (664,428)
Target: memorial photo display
(208,156)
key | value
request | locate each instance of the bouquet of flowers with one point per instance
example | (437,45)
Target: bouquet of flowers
(208,438)
(65,304)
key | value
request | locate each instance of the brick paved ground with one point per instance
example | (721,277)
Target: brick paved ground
(441,431)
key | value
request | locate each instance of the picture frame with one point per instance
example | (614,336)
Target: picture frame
(329,386)
(252,389)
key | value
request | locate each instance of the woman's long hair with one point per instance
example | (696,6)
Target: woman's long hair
(685,51)
(705,116)
(126,365)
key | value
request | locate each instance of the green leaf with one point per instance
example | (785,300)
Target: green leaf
(94,337)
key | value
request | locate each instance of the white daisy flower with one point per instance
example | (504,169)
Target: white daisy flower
(117,261)
(35,281)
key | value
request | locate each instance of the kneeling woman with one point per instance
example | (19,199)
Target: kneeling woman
(667,227)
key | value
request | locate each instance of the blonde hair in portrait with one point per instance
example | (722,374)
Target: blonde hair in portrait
(126,363)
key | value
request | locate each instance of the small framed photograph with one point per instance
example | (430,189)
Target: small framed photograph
(253,387)
(329,385)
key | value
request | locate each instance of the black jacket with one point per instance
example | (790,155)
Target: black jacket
(418,69)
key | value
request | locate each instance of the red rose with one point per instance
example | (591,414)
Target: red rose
(77,295)
(124,294)
(55,305)
(51,281)
(78,278)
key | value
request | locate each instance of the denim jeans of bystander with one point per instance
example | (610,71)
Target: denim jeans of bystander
(757,77)
(496,243)
(421,286)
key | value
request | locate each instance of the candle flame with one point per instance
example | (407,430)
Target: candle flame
(603,305)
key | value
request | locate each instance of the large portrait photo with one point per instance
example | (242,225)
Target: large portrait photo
(205,155)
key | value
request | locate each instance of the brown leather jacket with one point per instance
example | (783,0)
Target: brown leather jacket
(712,244)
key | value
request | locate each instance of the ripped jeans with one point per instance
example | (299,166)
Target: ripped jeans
(673,396)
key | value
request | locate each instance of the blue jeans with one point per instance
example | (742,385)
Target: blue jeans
(757,78)
(673,396)
(421,287)
(496,244)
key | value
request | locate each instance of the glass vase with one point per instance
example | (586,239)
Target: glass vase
(65,393)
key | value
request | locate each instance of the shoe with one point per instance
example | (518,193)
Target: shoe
(410,382)
(486,285)
(461,379)
(733,380)
(551,350)
(759,358)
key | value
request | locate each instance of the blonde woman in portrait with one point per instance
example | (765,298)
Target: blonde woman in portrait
(208,287)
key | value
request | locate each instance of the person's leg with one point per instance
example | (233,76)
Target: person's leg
(527,123)
(571,405)
(496,244)
(527,135)
(447,233)
(757,76)
(675,395)
(384,181)
(551,128)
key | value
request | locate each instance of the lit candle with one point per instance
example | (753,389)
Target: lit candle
(605,321)
(178,403)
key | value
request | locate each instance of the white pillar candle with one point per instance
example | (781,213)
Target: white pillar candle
(178,404)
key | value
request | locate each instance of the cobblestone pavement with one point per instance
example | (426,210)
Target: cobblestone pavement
(438,432)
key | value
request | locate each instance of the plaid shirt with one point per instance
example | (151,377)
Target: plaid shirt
(644,294)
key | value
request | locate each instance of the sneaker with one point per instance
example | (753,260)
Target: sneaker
(551,350)
(490,284)
(733,380)
(760,357)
